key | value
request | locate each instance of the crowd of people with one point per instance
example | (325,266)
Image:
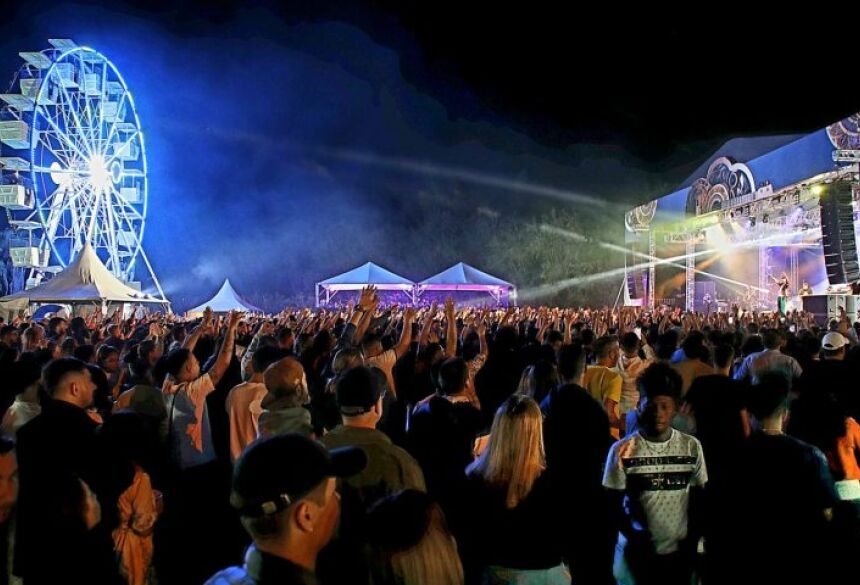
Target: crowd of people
(433,445)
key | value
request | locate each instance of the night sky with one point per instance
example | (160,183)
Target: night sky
(289,141)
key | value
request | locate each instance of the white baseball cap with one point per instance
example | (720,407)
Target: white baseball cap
(833,340)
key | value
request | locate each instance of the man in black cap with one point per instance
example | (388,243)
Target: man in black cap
(389,467)
(284,491)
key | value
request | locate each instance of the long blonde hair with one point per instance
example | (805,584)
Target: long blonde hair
(514,457)
(410,543)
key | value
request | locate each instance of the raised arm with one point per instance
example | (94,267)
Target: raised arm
(264,329)
(568,335)
(191,341)
(225,355)
(366,307)
(482,338)
(426,325)
(406,335)
(451,336)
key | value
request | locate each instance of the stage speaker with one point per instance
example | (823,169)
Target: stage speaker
(826,307)
(635,277)
(837,234)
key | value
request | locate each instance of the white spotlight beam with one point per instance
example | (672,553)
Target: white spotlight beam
(669,261)
(552,288)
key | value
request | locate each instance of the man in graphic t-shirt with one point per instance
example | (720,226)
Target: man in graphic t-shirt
(656,474)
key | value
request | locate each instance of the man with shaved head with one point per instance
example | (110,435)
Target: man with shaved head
(283,407)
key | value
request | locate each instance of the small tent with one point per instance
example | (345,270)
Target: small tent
(225,300)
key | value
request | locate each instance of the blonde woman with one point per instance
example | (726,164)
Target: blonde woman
(410,543)
(511,530)
(537,380)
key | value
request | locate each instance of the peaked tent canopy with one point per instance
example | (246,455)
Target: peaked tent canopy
(85,280)
(225,300)
(464,278)
(360,277)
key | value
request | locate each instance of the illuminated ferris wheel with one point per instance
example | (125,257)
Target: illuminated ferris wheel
(73,164)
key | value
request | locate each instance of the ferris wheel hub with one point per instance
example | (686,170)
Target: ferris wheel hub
(100,177)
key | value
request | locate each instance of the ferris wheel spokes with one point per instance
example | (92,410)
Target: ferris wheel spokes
(87,158)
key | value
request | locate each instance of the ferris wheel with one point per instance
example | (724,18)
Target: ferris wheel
(73,164)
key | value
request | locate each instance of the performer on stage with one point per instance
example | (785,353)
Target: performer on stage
(805,290)
(748,300)
(782,300)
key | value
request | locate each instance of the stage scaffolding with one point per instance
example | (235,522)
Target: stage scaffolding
(790,211)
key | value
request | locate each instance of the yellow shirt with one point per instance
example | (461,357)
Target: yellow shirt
(604,384)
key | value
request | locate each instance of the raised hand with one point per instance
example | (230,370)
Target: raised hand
(428,316)
(233,320)
(366,300)
(266,328)
(482,328)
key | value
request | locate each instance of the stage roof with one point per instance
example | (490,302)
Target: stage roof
(780,161)
(742,149)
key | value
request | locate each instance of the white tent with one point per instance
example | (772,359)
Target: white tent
(226,299)
(86,280)
(358,278)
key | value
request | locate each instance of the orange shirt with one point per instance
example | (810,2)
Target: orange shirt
(846,449)
(133,538)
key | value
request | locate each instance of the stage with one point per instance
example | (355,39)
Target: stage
(742,233)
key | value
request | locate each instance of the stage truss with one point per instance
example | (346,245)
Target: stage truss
(789,214)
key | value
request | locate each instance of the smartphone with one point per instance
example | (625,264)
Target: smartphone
(793,328)
(731,320)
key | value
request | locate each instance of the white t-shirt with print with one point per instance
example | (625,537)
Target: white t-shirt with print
(659,476)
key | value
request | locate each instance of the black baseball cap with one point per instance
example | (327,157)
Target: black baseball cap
(276,471)
(358,390)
